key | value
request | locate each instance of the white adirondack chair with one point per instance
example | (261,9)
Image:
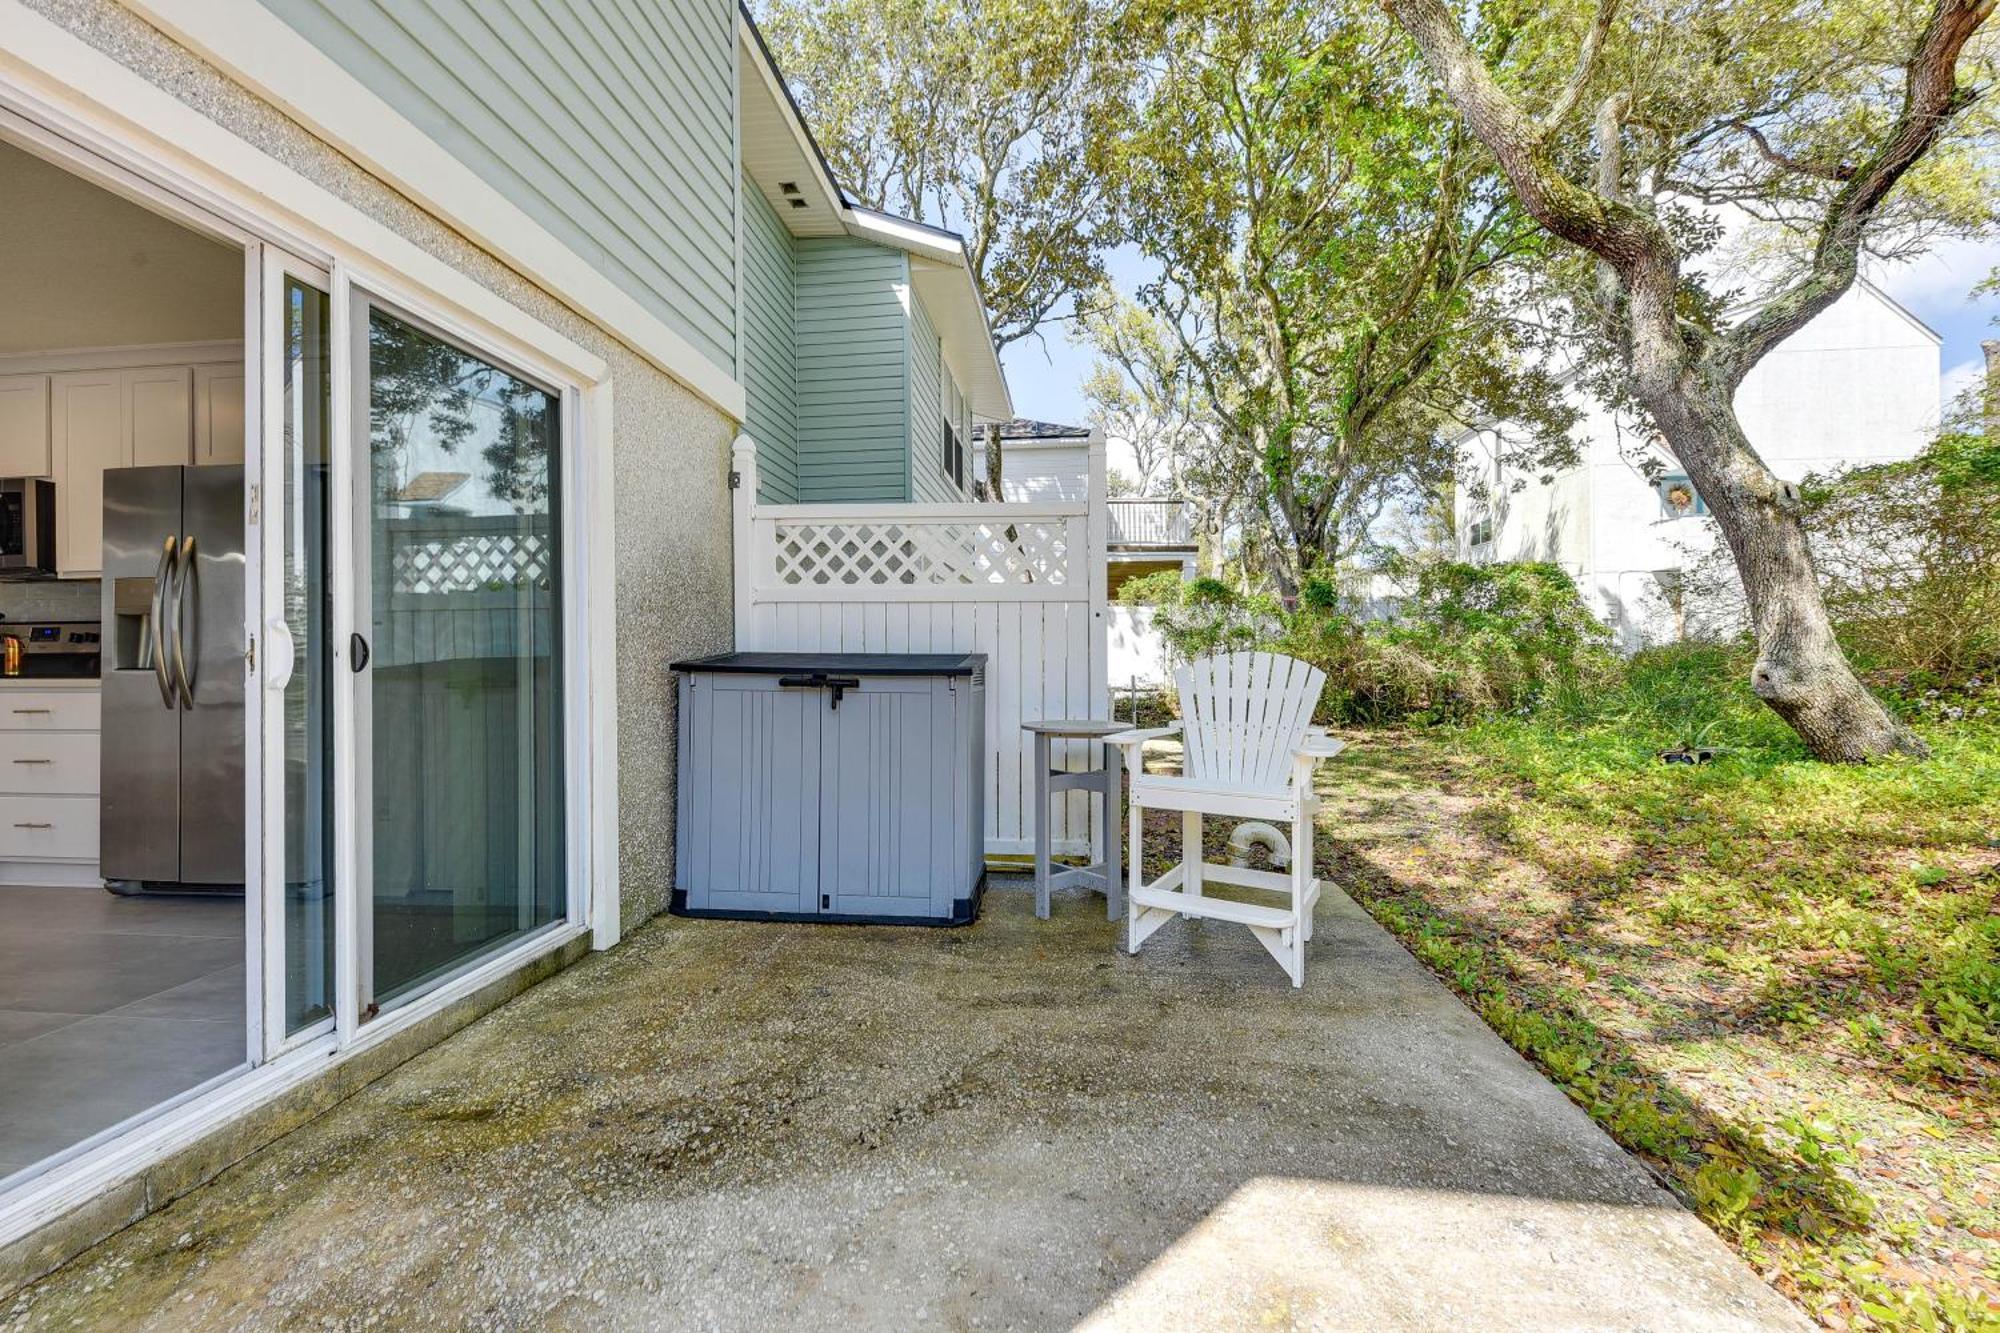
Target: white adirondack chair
(1246,722)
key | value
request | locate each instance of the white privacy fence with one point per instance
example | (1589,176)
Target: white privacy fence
(1021,583)
(1136,654)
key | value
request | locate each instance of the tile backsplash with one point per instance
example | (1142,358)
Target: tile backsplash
(49,599)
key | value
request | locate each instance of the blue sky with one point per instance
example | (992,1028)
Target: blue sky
(1047,374)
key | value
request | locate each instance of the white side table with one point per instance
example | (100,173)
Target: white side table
(1108,782)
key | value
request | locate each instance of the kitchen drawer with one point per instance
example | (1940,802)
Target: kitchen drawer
(47,710)
(48,828)
(61,763)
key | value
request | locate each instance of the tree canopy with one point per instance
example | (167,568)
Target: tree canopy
(990,117)
(1345,272)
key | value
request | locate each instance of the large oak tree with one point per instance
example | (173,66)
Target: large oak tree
(1847,126)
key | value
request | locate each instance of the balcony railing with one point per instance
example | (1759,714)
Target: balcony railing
(1151,523)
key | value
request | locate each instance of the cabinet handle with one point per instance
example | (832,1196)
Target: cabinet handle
(34,761)
(42,711)
(34,825)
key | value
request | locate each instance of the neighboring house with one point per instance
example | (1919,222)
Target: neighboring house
(499,287)
(1041,460)
(1858,385)
(868,359)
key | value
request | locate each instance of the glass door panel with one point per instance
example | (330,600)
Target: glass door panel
(459,690)
(305,706)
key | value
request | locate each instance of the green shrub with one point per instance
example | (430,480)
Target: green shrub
(1908,555)
(1476,640)
(1693,693)
(1199,617)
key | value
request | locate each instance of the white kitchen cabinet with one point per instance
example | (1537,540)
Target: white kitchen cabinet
(24,426)
(162,416)
(47,762)
(218,414)
(90,429)
(128,417)
(49,744)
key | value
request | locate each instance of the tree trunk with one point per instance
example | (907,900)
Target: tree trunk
(993,462)
(1800,671)
(1687,382)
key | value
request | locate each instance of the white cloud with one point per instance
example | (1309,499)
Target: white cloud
(1944,276)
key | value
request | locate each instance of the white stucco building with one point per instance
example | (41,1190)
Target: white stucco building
(1860,384)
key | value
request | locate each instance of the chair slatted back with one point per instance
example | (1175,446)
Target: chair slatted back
(1244,716)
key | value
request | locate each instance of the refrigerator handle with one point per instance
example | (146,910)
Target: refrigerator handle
(162,577)
(183,585)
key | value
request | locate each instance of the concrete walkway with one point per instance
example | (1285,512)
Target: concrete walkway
(723,1125)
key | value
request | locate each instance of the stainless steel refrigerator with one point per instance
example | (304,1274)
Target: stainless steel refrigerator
(173,672)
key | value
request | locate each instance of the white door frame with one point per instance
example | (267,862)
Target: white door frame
(266,617)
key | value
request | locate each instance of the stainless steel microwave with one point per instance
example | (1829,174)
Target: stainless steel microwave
(27,526)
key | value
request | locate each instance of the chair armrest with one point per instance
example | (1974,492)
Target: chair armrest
(1319,745)
(1140,735)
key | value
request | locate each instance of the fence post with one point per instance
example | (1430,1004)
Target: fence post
(1098,529)
(743,497)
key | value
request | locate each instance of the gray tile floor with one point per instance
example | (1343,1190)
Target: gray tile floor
(108,1006)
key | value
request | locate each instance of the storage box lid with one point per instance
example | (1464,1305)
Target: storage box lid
(846,664)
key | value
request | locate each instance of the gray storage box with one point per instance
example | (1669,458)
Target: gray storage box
(832,787)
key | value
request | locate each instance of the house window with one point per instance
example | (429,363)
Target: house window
(954,455)
(1679,498)
(1482,532)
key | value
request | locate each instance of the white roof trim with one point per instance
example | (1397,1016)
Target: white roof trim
(1881,294)
(1028,443)
(764,101)
(259,50)
(949,295)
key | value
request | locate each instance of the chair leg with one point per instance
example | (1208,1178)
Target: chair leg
(1191,855)
(1114,877)
(1137,817)
(1302,870)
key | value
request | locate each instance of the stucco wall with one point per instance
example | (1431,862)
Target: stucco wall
(670,450)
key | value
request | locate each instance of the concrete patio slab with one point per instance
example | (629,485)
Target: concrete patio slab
(723,1125)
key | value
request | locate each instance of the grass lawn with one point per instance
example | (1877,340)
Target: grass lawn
(1776,981)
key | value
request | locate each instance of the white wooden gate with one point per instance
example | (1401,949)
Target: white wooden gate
(1021,583)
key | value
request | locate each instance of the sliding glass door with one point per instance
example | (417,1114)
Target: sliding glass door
(298,761)
(457,652)
(412,623)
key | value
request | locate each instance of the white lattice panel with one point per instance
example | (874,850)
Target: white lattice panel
(1022,583)
(469,562)
(923,554)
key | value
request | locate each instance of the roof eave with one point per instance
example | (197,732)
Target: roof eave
(974,360)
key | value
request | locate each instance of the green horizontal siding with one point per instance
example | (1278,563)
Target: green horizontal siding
(928,479)
(851,352)
(770,362)
(610,122)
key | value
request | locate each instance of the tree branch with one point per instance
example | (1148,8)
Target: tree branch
(1932,97)
(1840,171)
(1586,67)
